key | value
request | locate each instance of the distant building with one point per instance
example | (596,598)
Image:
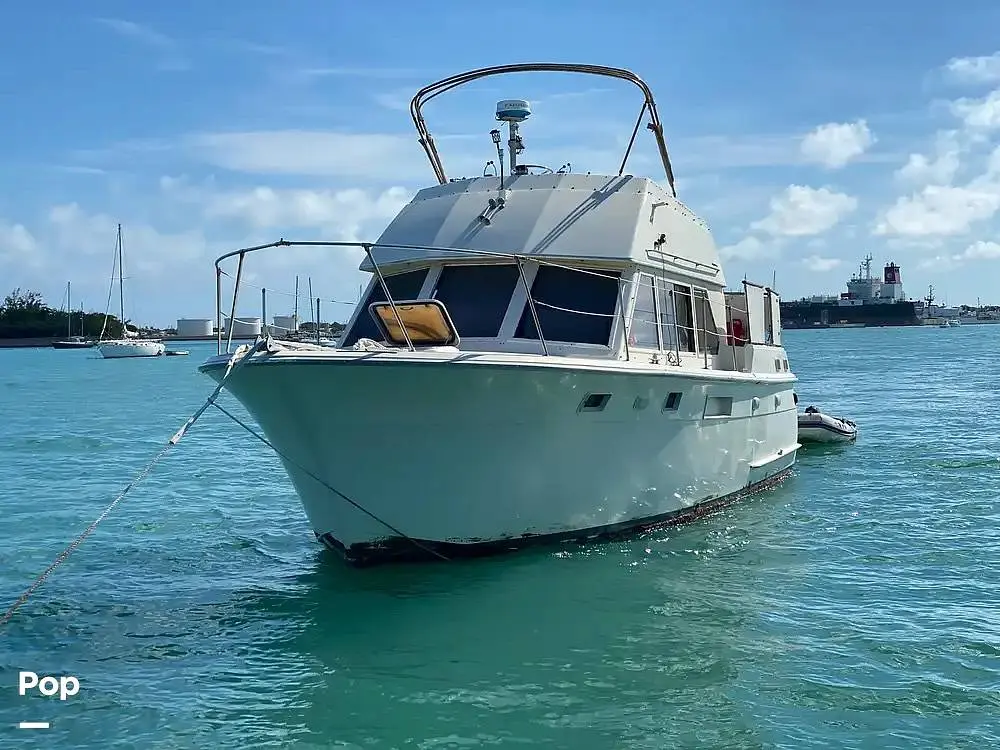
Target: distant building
(244,327)
(194,327)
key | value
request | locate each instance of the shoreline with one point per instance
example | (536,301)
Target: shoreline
(44,342)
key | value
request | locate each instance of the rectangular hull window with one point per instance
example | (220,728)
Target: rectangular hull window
(672,402)
(401,286)
(573,306)
(477,297)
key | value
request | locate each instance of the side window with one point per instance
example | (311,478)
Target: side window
(573,306)
(668,321)
(684,311)
(401,286)
(477,296)
(708,335)
(642,332)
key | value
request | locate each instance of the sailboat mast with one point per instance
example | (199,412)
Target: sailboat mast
(121,281)
(69,312)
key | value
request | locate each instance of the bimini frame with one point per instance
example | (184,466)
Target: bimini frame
(447,84)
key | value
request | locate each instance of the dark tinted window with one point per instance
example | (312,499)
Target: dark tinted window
(685,317)
(477,297)
(768,320)
(402,286)
(591,295)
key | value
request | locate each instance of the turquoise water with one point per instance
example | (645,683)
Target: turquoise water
(855,606)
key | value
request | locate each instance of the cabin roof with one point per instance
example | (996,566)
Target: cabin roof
(589,217)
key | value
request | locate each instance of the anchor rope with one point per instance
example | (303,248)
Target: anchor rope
(237,360)
(332,489)
(234,363)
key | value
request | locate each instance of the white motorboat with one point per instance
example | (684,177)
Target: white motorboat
(130,344)
(817,427)
(540,355)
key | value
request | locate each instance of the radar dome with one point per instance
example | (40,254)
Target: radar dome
(513,110)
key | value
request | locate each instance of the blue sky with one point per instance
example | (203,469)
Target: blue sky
(807,136)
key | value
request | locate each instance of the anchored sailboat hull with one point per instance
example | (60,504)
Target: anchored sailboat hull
(474,454)
(72,344)
(130,348)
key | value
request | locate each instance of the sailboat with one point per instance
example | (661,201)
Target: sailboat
(129,345)
(71,341)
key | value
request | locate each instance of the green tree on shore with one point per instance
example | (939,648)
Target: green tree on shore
(24,314)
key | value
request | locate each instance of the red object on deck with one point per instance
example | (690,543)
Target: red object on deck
(734,333)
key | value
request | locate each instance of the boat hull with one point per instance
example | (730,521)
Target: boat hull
(798,314)
(467,457)
(122,349)
(72,344)
(822,428)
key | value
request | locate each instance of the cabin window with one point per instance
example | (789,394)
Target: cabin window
(402,286)
(477,297)
(668,321)
(575,306)
(643,332)
(708,334)
(684,311)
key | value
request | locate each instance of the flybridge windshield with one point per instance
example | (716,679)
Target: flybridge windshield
(513,112)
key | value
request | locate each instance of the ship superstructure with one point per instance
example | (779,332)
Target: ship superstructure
(870,300)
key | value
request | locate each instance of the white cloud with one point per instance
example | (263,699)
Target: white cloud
(819,264)
(170,58)
(835,144)
(941,210)
(802,211)
(349,215)
(749,248)
(982,69)
(303,152)
(939,169)
(977,251)
(979,115)
(982,251)
(18,246)
(74,231)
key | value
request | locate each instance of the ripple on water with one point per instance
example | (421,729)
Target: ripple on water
(854,606)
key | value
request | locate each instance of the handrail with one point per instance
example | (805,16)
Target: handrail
(437,88)
(697,331)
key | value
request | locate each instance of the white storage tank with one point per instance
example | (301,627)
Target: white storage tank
(286,323)
(245,327)
(194,327)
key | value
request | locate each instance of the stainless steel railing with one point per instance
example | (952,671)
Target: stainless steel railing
(670,327)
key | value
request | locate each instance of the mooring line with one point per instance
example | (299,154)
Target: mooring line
(237,359)
(416,543)
(174,439)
